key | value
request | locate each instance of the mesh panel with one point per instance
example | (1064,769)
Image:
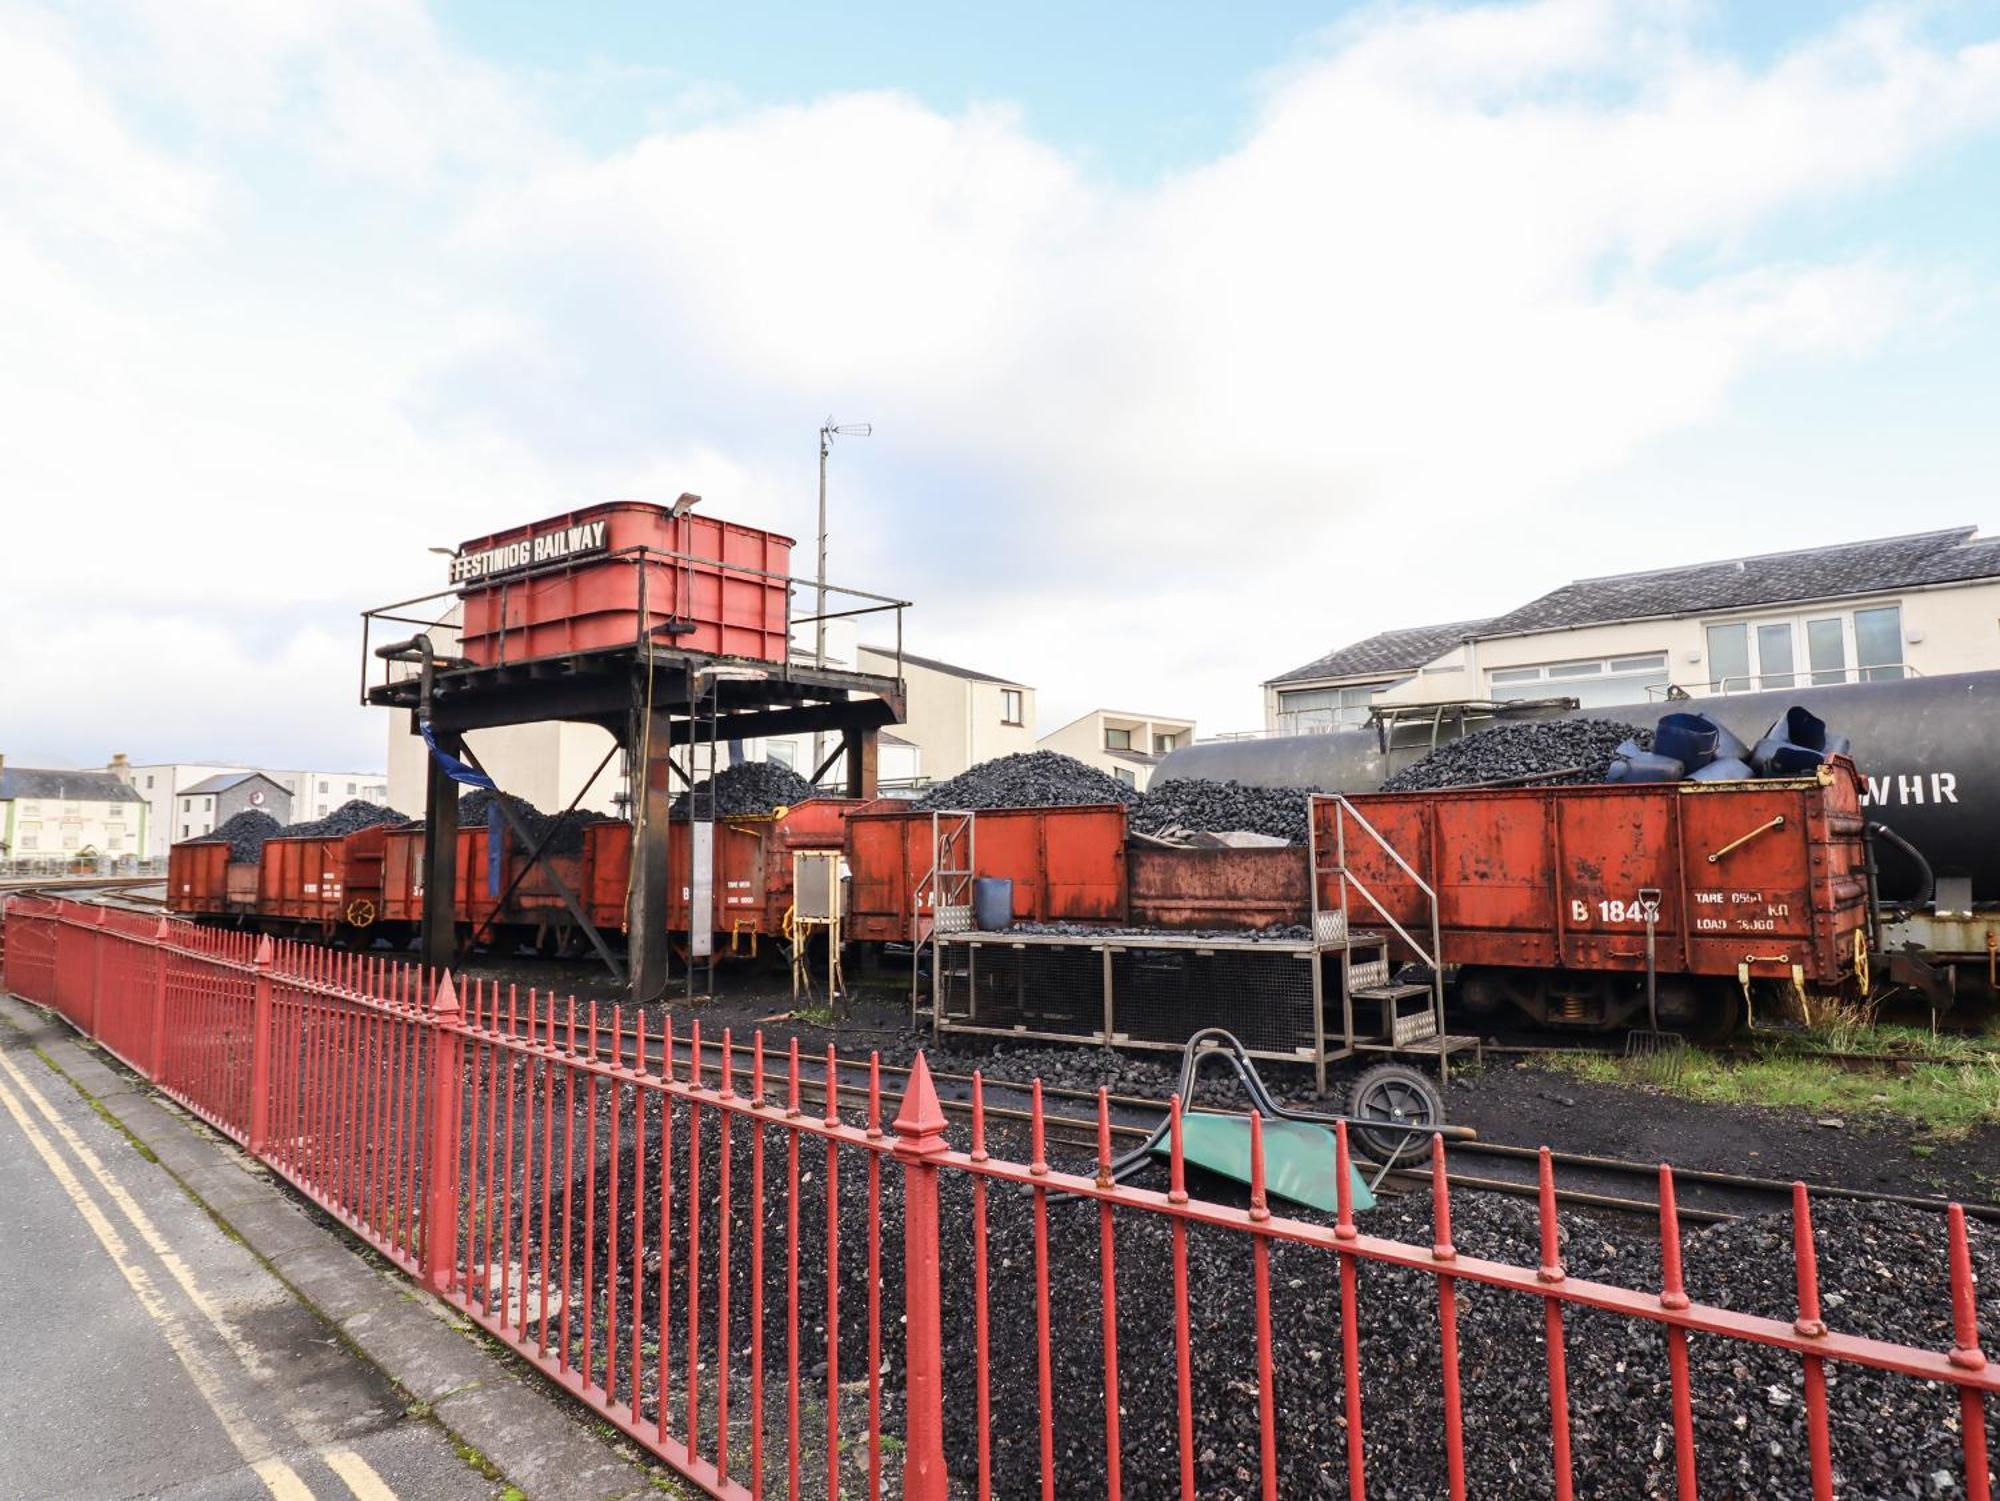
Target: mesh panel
(1159,996)
(1039,988)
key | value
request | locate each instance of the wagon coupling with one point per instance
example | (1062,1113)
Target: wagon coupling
(1737,844)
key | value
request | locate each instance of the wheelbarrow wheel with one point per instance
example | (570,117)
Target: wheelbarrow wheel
(1392,1092)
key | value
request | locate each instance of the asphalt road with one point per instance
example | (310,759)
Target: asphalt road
(148,1354)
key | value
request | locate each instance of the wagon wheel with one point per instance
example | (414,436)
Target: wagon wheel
(361,912)
(1392,1092)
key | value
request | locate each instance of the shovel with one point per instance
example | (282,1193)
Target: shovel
(1661,1055)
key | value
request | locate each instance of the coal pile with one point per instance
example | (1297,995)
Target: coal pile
(350,817)
(1029,779)
(1548,753)
(752,788)
(245,834)
(1223,808)
(564,831)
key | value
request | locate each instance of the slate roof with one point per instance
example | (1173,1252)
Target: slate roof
(945,667)
(222,782)
(1881,565)
(1386,653)
(59,785)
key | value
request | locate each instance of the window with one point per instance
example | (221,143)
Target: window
(187,805)
(1125,775)
(1010,705)
(350,789)
(184,831)
(1117,739)
(1593,682)
(1826,651)
(1878,643)
(31,841)
(322,784)
(149,782)
(783,752)
(1164,743)
(1745,656)
(1313,711)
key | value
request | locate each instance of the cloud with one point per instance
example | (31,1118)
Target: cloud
(1142,445)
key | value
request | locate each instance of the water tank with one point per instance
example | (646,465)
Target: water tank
(1929,749)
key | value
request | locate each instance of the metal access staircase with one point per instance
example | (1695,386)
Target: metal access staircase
(1409,1016)
(942,901)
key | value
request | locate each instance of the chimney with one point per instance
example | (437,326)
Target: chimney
(121,768)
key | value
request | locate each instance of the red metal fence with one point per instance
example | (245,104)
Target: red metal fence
(778,1291)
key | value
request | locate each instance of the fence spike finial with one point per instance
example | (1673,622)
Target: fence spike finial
(263,959)
(163,930)
(445,1001)
(920,1119)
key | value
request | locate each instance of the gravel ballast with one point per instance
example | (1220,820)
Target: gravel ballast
(1545,753)
(1030,779)
(1882,1267)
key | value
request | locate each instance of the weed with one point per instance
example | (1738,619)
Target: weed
(1948,1099)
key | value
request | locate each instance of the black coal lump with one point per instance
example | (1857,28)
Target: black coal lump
(1029,779)
(1547,752)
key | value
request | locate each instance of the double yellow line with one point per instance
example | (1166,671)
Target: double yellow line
(249,1440)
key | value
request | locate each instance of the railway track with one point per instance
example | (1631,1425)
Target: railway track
(1069,1115)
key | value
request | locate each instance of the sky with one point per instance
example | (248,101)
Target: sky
(1196,340)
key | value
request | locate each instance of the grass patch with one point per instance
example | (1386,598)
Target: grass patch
(1945,1099)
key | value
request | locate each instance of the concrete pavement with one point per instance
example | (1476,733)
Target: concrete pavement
(152,1352)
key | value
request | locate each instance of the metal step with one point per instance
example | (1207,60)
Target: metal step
(1389,992)
(1428,1046)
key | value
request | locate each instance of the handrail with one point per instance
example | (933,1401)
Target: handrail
(636,555)
(1433,957)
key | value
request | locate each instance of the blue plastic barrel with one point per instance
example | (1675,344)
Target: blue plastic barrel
(1687,738)
(992,903)
(1727,769)
(1635,765)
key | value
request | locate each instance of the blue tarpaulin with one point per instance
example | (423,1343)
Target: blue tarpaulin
(454,768)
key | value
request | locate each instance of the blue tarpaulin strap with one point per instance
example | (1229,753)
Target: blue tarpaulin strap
(454,768)
(493,837)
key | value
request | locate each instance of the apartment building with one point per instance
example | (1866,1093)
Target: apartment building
(1925,604)
(1128,746)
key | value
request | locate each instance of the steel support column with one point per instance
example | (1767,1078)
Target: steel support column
(646,918)
(862,752)
(440,925)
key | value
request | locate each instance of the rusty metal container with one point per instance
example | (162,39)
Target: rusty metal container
(403,875)
(1067,865)
(198,878)
(626,572)
(607,873)
(1767,877)
(753,864)
(328,882)
(1218,888)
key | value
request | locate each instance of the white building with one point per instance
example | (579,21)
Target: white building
(1128,746)
(1923,604)
(545,762)
(954,717)
(170,789)
(58,813)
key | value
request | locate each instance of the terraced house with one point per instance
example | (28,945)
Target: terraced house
(58,813)
(1892,607)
